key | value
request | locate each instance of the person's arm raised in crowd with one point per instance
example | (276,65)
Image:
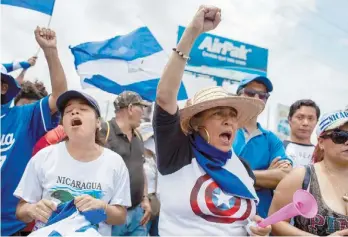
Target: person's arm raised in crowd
(207,18)
(280,166)
(25,65)
(46,38)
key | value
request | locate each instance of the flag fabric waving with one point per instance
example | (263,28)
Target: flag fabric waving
(43,6)
(126,62)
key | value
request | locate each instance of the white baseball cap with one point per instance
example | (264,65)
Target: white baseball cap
(331,121)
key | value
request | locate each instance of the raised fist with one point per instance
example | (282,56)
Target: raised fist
(206,19)
(46,38)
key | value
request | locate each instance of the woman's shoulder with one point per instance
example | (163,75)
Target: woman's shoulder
(294,180)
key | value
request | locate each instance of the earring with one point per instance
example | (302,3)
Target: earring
(207,134)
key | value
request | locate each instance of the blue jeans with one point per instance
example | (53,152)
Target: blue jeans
(132,226)
(152,226)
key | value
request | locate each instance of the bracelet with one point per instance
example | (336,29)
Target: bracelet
(181,54)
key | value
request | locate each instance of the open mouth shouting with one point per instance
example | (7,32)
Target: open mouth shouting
(226,137)
(76,122)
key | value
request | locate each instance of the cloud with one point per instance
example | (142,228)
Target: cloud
(298,65)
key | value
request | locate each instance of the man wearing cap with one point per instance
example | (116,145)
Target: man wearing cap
(22,126)
(122,138)
(261,148)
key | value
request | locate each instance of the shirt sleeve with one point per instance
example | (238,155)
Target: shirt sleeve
(122,191)
(173,147)
(16,65)
(41,120)
(277,149)
(50,138)
(29,187)
(55,135)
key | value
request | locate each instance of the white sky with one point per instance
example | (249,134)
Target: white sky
(307,40)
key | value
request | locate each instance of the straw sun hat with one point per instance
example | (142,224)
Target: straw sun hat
(212,97)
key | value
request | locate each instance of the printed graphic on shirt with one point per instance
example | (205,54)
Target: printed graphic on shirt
(333,224)
(67,188)
(7,141)
(300,154)
(209,202)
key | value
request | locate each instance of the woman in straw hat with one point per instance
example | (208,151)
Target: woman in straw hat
(205,188)
(326,180)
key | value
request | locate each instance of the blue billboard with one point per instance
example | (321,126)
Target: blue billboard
(225,58)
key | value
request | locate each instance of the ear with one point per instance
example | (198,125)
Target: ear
(130,109)
(99,123)
(4,88)
(289,121)
(321,143)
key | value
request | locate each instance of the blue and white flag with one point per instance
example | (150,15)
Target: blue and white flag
(43,6)
(126,62)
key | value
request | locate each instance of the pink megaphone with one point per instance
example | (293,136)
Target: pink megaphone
(303,203)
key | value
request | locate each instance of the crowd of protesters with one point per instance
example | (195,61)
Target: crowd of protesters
(207,169)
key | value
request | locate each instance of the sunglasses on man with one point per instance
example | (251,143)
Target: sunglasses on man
(337,136)
(251,93)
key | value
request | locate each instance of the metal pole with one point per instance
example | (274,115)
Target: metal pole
(107,110)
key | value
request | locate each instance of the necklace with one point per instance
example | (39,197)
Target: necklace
(345,195)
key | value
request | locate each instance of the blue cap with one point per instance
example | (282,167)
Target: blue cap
(64,98)
(264,80)
(13,86)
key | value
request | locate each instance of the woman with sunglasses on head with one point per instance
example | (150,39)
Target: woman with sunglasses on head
(326,180)
(205,188)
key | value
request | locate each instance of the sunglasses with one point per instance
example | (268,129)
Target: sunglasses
(337,136)
(251,93)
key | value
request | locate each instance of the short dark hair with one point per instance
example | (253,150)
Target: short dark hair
(32,91)
(306,102)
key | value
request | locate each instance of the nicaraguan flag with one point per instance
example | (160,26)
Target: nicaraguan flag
(43,6)
(126,62)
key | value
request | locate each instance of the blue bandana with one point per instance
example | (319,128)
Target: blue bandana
(212,161)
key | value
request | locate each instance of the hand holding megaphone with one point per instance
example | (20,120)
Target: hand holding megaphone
(303,204)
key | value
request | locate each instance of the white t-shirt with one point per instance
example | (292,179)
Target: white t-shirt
(150,167)
(150,172)
(301,154)
(54,175)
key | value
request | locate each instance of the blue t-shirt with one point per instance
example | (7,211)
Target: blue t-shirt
(21,128)
(259,152)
